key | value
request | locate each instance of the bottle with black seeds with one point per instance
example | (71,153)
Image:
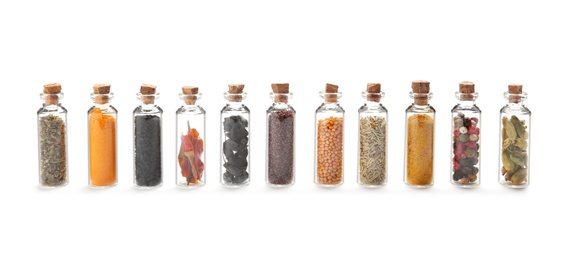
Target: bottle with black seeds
(190,129)
(280,118)
(147,139)
(235,131)
(52,138)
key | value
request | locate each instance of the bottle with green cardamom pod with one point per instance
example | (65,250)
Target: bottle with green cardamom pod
(52,138)
(514,133)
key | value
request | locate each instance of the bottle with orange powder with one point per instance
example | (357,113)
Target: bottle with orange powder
(102,139)
(419,141)
(329,139)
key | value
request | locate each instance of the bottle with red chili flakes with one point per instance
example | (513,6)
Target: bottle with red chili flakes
(190,140)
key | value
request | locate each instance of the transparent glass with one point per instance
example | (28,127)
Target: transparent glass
(466,141)
(102,120)
(235,142)
(329,141)
(53,165)
(372,152)
(147,127)
(190,143)
(280,141)
(514,143)
(419,143)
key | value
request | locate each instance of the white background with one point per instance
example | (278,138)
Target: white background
(214,43)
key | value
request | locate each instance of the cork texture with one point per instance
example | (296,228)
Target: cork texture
(190,92)
(467,87)
(280,88)
(52,88)
(234,90)
(330,90)
(373,92)
(516,90)
(421,88)
(147,92)
(101,88)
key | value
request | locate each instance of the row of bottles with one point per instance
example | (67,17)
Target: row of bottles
(280,143)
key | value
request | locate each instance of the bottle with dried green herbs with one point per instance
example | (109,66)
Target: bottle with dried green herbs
(514,144)
(329,139)
(52,138)
(419,141)
(372,170)
(280,118)
(190,140)
(235,139)
(147,139)
(466,138)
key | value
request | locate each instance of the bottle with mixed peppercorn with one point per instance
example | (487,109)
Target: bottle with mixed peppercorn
(235,139)
(419,141)
(329,139)
(514,144)
(52,138)
(466,121)
(280,118)
(190,140)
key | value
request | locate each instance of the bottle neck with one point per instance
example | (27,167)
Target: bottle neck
(373,104)
(466,103)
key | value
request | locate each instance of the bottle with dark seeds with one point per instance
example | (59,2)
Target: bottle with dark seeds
(235,117)
(280,118)
(514,139)
(52,138)
(466,122)
(147,139)
(190,140)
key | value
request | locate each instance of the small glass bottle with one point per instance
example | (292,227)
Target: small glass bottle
(514,139)
(466,121)
(102,139)
(372,153)
(52,138)
(329,139)
(190,140)
(147,139)
(235,139)
(280,118)
(419,141)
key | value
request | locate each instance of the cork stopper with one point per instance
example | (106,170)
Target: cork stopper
(516,90)
(51,91)
(374,92)
(466,89)
(234,90)
(147,92)
(330,88)
(190,92)
(102,90)
(280,88)
(421,88)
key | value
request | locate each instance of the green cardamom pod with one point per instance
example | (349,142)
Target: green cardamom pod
(506,163)
(521,143)
(517,158)
(510,128)
(519,177)
(519,128)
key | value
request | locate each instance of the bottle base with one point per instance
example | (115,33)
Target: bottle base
(515,186)
(426,186)
(235,186)
(102,187)
(51,187)
(140,187)
(372,186)
(325,185)
(278,186)
(186,186)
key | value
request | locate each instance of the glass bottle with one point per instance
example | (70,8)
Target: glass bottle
(147,139)
(102,139)
(372,152)
(235,140)
(329,139)
(280,118)
(419,141)
(190,140)
(514,136)
(52,138)
(466,138)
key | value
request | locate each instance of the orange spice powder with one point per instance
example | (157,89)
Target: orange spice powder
(420,153)
(102,146)
(330,150)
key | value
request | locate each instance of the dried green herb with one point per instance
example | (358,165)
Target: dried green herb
(372,157)
(514,154)
(53,161)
